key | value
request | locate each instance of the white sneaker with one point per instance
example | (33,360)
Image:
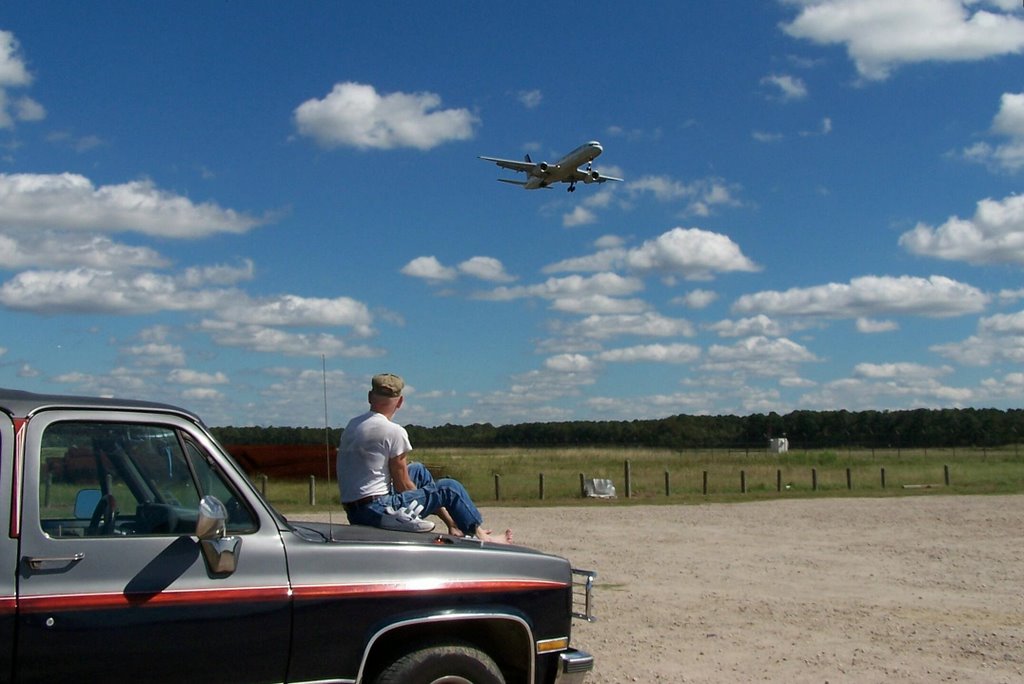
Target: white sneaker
(406,519)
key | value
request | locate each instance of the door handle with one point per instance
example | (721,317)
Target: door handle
(39,563)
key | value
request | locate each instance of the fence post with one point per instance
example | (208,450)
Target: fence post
(497,487)
(849,479)
(668,486)
(743,482)
(778,480)
(883,478)
(312,490)
(583,487)
(541,485)
(629,487)
(705,483)
(263,485)
(814,479)
(945,474)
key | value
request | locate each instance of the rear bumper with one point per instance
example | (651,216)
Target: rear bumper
(573,666)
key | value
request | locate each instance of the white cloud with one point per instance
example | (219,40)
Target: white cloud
(184,376)
(429,268)
(530,99)
(703,196)
(485,268)
(598,304)
(648,324)
(68,201)
(789,87)
(54,249)
(881,35)
(691,253)
(994,235)
(899,371)
(759,325)
(934,297)
(607,284)
(871,326)
(270,340)
(570,363)
(356,115)
(758,355)
(697,299)
(14,74)
(579,216)
(292,311)
(656,353)
(1008,122)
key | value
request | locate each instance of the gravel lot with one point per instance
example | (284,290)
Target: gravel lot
(916,589)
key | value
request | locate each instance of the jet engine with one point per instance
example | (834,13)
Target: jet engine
(543,167)
(592,177)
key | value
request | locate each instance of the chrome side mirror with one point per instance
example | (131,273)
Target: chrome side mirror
(219,550)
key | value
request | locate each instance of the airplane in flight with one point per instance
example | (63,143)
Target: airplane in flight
(565,170)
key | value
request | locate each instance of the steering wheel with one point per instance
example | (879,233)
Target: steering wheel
(105,512)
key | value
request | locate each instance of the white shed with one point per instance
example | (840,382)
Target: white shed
(778,445)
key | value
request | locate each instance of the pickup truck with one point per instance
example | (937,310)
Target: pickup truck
(137,550)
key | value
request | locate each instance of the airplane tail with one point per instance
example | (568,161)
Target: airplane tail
(528,160)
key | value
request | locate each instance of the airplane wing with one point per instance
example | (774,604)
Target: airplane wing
(591,176)
(524,166)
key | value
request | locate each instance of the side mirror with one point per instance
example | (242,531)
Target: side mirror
(85,503)
(219,550)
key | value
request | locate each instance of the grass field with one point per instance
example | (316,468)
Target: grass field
(515,474)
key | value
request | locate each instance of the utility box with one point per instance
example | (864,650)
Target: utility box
(778,445)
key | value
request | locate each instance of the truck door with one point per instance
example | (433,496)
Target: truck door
(8,550)
(112,584)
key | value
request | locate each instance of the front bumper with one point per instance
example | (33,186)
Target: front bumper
(573,666)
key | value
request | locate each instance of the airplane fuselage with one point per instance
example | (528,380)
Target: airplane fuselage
(565,170)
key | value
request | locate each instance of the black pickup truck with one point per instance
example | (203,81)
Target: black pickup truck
(137,550)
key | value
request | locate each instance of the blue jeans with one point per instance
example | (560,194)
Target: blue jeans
(429,493)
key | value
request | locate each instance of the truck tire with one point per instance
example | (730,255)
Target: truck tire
(443,664)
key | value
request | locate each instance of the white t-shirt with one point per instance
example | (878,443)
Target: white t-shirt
(369,442)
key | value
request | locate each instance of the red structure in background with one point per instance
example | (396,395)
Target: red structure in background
(285,461)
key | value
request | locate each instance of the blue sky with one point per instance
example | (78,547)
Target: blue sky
(209,203)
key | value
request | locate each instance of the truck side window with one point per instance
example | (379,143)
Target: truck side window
(117,479)
(240,518)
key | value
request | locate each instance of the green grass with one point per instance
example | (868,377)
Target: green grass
(971,471)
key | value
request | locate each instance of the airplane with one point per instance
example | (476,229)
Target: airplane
(565,170)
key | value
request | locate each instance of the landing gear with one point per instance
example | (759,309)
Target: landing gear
(572,187)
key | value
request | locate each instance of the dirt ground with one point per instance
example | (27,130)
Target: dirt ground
(919,589)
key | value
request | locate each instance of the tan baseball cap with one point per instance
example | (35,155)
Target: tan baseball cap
(387,385)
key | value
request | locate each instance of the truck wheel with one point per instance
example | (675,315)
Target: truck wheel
(443,664)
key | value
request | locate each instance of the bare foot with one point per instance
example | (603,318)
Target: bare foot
(455,531)
(487,535)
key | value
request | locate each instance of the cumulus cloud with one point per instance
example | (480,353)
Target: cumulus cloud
(271,340)
(785,87)
(655,353)
(758,355)
(184,376)
(690,253)
(759,325)
(702,196)
(648,324)
(697,299)
(14,74)
(881,35)
(1008,123)
(530,99)
(607,284)
(69,201)
(292,311)
(356,115)
(485,268)
(994,235)
(934,297)
(55,249)
(431,269)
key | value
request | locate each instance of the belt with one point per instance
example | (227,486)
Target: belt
(349,505)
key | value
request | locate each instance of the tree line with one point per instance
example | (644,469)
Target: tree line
(919,428)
